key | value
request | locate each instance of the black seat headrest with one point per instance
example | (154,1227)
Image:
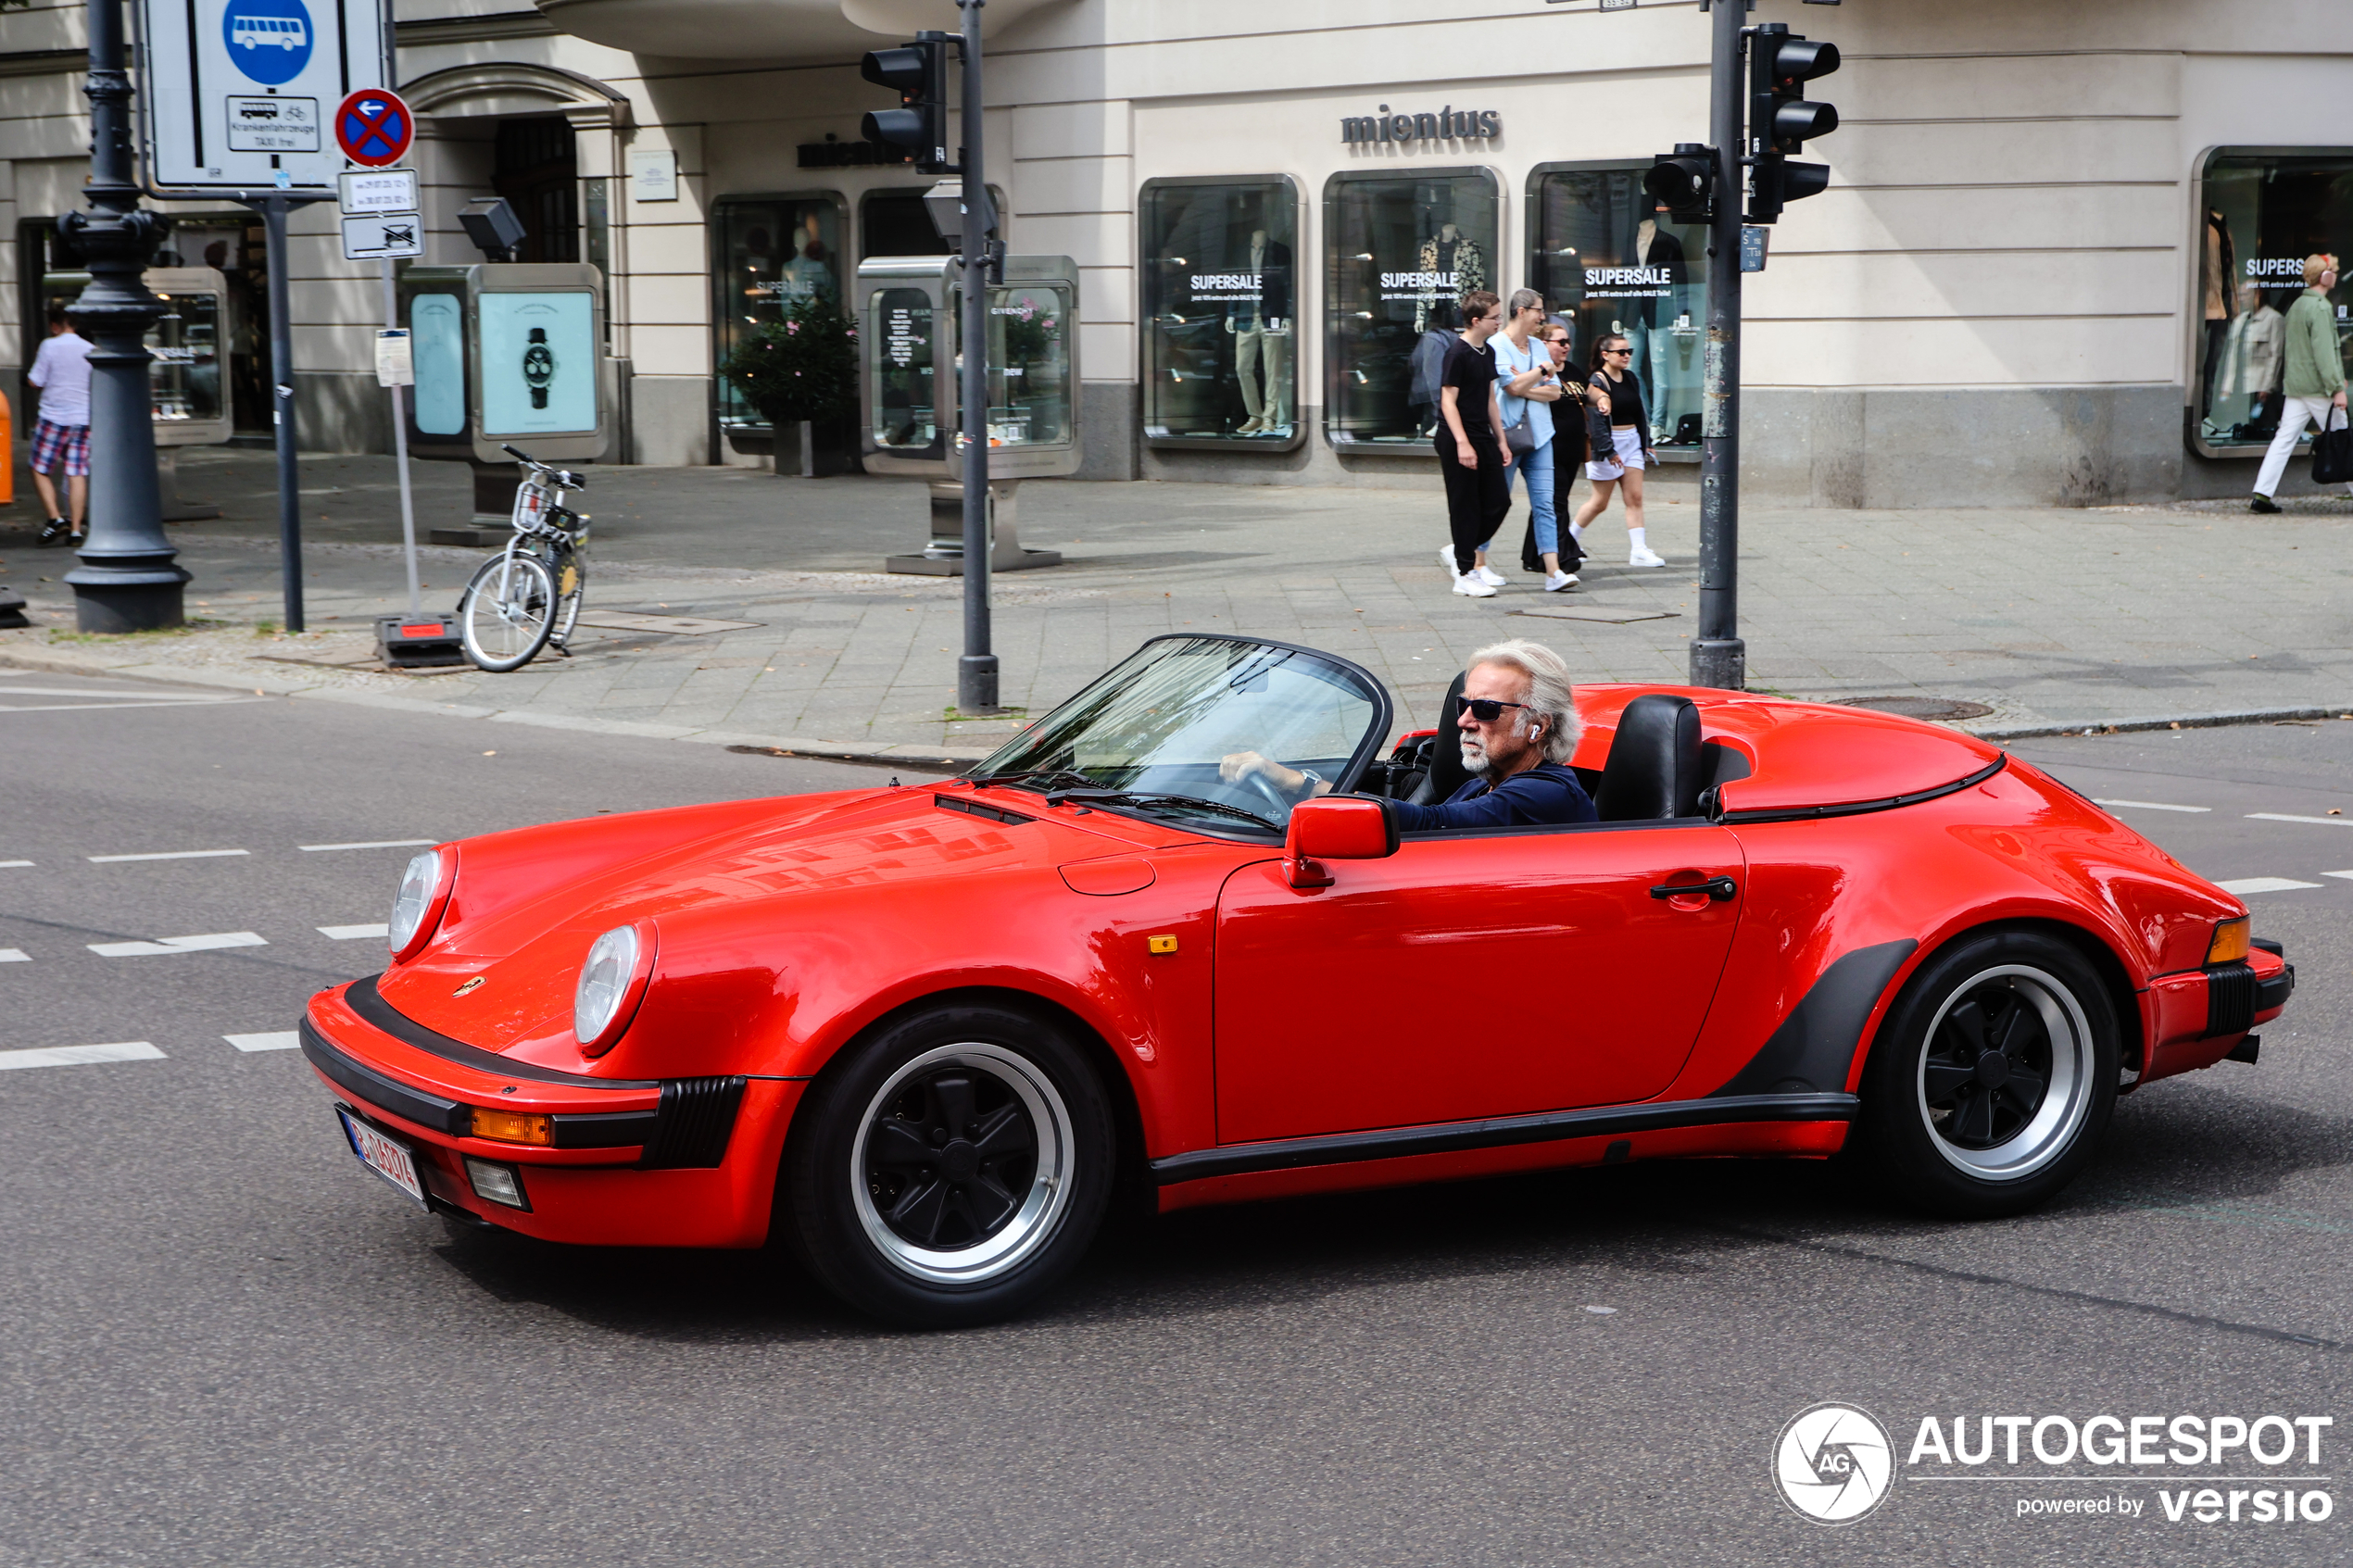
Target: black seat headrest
(1655,765)
(1447,773)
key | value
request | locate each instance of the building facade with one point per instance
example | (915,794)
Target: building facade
(2042,273)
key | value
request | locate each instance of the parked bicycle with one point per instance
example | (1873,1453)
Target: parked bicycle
(529,596)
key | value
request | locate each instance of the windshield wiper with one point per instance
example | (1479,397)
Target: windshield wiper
(1133,797)
(1035,776)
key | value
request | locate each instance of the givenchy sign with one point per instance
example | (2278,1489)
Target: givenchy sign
(1448,124)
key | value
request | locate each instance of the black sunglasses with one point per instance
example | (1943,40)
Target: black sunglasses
(1485,710)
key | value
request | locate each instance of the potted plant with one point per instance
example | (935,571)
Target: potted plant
(800,372)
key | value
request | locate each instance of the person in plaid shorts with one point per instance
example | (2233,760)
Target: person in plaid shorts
(62,438)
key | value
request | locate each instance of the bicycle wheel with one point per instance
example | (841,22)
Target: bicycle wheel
(505,632)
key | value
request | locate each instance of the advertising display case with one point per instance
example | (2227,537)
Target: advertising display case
(189,343)
(2262,211)
(1606,255)
(1401,251)
(1220,329)
(908,326)
(507,353)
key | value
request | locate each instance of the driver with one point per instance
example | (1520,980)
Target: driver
(1519,728)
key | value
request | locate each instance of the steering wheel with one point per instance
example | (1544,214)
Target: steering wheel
(1275,797)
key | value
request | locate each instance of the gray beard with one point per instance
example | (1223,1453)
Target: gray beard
(1476,762)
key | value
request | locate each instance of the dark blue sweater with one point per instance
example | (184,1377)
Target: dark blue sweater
(1547,793)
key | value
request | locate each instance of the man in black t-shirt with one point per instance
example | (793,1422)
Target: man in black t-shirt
(1471,453)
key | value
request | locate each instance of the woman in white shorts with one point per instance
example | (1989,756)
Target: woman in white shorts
(1627,453)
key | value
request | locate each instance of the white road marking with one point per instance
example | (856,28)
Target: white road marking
(2247,884)
(169,854)
(354,933)
(15,862)
(2150,805)
(15,955)
(177,945)
(145,694)
(2281,817)
(373,844)
(287,1041)
(75,1056)
(70,706)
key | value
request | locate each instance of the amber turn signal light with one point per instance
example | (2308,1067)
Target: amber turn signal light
(509,1127)
(2230,944)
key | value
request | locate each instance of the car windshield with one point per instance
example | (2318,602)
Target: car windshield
(1159,725)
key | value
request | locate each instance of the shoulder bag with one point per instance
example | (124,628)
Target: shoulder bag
(2332,450)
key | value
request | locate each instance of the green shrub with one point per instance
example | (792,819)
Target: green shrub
(804,367)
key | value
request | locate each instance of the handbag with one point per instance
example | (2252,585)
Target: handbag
(2332,450)
(1519,437)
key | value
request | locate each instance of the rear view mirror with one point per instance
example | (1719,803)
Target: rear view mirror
(1336,828)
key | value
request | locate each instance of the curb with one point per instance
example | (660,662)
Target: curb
(904,754)
(2170,721)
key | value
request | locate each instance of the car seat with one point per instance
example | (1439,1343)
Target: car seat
(1655,766)
(1446,773)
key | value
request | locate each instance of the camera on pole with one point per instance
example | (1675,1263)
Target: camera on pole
(1782,119)
(1685,181)
(918,73)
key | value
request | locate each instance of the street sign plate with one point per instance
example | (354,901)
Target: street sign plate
(375,235)
(374,128)
(231,92)
(1755,239)
(377,190)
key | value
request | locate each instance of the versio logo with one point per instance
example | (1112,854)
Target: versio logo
(1834,1463)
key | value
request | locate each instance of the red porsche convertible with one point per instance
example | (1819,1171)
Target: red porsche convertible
(922,1034)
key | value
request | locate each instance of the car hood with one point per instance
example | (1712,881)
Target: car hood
(523,932)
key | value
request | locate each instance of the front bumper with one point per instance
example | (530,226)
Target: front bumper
(669,1163)
(2197,1017)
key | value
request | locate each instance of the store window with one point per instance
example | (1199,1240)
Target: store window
(2264,210)
(1403,249)
(770,251)
(1220,287)
(1604,254)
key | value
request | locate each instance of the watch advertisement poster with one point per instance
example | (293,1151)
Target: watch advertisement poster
(538,363)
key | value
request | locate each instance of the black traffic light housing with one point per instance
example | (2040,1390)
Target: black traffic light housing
(918,73)
(1684,180)
(1782,119)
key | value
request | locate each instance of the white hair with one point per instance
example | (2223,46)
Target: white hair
(1550,695)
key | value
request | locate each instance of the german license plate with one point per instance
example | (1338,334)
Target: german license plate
(394,1160)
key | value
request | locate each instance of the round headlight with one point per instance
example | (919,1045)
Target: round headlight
(418,883)
(604,986)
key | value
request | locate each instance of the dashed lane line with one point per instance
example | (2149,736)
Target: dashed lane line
(15,955)
(15,862)
(79,1056)
(284,1041)
(355,932)
(168,855)
(2149,804)
(371,844)
(163,944)
(2284,817)
(2247,884)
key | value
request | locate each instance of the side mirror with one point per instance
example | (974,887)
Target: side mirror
(1336,828)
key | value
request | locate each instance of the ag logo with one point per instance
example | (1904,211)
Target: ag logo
(1834,1463)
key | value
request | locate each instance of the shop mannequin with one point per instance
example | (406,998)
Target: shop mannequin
(2220,264)
(1448,251)
(1261,326)
(1654,313)
(808,270)
(2254,350)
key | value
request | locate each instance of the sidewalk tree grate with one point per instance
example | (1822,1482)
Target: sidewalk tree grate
(1944,708)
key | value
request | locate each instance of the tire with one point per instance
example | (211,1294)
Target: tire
(974,1236)
(1993,1079)
(502,638)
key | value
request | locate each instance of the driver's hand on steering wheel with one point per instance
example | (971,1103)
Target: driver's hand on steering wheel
(1241,767)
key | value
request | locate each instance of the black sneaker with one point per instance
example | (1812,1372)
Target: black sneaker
(2262,502)
(54,530)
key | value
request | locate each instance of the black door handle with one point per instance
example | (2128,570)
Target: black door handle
(1717,887)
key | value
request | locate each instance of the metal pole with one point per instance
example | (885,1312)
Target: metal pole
(1718,657)
(126,580)
(282,410)
(400,455)
(977,671)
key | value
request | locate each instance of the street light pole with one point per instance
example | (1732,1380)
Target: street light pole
(1718,657)
(126,580)
(977,671)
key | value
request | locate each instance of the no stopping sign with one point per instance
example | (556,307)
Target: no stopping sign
(374,128)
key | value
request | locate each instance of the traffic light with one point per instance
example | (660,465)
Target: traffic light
(918,73)
(1781,121)
(1684,180)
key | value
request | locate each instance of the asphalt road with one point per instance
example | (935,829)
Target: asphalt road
(225,1342)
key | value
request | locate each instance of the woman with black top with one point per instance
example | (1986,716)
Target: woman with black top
(1469,441)
(1621,445)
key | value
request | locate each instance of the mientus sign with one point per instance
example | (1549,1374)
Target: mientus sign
(1449,124)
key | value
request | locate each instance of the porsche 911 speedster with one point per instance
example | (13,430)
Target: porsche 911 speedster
(926,1034)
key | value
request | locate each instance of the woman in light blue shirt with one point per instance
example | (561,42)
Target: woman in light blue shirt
(1526,390)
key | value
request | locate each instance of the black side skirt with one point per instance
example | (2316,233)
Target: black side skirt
(1396,1143)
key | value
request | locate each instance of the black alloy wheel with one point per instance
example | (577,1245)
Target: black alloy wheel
(950,1157)
(1988,1066)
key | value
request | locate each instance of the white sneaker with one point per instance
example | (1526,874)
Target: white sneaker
(1446,559)
(1490,576)
(1646,558)
(1469,586)
(1560,580)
